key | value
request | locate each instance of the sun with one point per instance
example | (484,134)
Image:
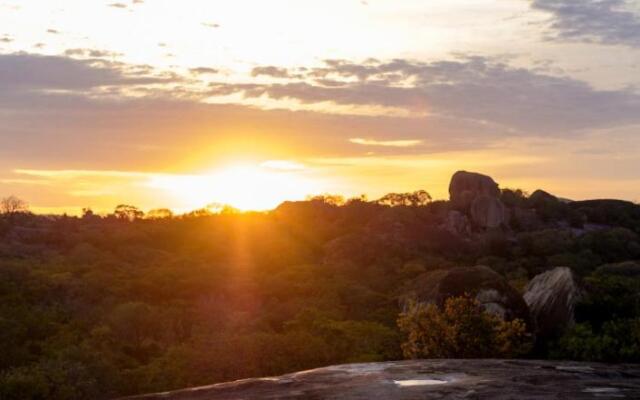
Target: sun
(244,186)
(257,188)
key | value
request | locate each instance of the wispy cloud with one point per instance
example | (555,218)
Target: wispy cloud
(486,91)
(276,72)
(27,79)
(204,71)
(79,173)
(94,53)
(600,21)
(386,143)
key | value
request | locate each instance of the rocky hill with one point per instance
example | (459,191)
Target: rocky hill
(442,379)
(102,307)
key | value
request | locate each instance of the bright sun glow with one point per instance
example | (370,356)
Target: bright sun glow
(244,187)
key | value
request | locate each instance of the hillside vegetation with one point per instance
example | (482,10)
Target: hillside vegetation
(105,306)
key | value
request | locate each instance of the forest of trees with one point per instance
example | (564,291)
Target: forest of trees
(127,303)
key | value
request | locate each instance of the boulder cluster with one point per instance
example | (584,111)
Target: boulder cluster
(475,203)
(548,303)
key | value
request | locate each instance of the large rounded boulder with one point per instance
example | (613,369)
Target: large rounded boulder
(540,197)
(478,196)
(490,289)
(552,297)
(465,187)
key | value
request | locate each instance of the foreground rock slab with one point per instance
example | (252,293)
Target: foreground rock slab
(437,379)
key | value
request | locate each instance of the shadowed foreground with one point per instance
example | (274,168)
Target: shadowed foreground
(440,379)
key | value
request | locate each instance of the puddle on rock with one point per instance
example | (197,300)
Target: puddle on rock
(604,392)
(419,382)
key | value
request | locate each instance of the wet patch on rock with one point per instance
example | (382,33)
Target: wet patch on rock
(433,379)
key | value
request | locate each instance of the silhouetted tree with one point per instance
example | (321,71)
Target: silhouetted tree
(413,199)
(160,213)
(13,205)
(333,199)
(128,213)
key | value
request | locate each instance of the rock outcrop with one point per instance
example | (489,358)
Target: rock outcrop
(457,223)
(488,212)
(465,187)
(478,196)
(628,269)
(432,379)
(492,291)
(552,297)
(540,197)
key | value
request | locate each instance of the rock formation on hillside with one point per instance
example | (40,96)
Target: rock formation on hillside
(478,196)
(552,297)
(540,197)
(492,290)
(432,379)
(465,187)
(488,212)
(457,223)
(629,269)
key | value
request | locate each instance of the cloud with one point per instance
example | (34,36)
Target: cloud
(72,173)
(91,53)
(5,39)
(385,143)
(204,71)
(272,71)
(599,21)
(30,74)
(481,90)
(53,107)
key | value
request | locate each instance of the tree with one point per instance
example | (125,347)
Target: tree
(332,199)
(13,205)
(413,199)
(128,213)
(134,325)
(160,213)
(461,329)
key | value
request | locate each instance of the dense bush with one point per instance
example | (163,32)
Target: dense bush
(616,341)
(461,329)
(105,306)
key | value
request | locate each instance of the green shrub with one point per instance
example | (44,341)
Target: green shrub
(617,341)
(461,329)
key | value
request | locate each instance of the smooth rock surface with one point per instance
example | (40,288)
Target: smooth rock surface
(433,379)
(488,212)
(552,297)
(465,187)
(457,223)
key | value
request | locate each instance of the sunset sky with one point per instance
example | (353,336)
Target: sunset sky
(166,103)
